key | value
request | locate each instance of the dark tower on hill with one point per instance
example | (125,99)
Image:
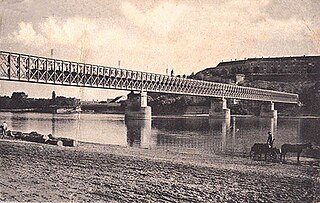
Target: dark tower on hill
(53,97)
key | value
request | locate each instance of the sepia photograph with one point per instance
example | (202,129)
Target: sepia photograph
(160,101)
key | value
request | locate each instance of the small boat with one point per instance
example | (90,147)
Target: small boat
(40,138)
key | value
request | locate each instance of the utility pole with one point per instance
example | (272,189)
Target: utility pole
(0,25)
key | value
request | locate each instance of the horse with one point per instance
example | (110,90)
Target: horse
(295,148)
(263,148)
(259,149)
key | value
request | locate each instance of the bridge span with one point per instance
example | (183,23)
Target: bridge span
(35,69)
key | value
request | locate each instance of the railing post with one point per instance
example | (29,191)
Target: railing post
(46,75)
(18,66)
(9,66)
(28,67)
(78,75)
(38,69)
(62,71)
(54,72)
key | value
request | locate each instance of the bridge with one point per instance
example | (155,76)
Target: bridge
(35,69)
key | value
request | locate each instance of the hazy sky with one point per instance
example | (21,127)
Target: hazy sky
(186,36)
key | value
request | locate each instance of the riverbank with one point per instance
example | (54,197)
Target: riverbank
(92,172)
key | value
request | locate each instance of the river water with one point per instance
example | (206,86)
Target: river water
(195,134)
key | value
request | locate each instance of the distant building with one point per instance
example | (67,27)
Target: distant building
(239,78)
(276,68)
(298,64)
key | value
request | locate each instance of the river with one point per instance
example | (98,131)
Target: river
(194,134)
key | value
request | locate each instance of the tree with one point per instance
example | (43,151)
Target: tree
(19,100)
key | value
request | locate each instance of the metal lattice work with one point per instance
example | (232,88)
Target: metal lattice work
(27,68)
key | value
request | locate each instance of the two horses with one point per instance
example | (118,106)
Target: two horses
(262,148)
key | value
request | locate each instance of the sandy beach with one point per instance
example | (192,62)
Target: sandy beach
(91,172)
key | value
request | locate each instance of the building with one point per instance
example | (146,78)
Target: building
(272,68)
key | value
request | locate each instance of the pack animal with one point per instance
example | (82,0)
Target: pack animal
(293,148)
(1,132)
(259,149)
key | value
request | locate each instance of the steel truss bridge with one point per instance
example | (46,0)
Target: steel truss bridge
(35,69)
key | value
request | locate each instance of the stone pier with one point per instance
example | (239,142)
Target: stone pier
(137,106)
(218,109)
(268,111)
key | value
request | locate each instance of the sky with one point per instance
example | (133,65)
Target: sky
(186,36)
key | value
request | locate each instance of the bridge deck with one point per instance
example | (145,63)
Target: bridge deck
(35,69)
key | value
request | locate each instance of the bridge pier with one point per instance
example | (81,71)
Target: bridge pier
(267,110)
(137,107)
(218,109)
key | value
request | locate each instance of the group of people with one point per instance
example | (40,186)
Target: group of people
(3,129)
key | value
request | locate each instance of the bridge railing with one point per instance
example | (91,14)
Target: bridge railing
(28,68)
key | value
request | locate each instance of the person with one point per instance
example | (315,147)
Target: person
(4,128)
(1,132)
(270,140)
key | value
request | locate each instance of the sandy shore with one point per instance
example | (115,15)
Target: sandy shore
(91,172)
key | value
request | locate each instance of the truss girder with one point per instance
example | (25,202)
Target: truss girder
(21,67)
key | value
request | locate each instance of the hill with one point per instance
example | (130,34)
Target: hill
(299,75)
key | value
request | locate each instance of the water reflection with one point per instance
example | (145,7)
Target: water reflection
(192,133)
(273,126)
(309,130)
(233,133)
(96,128)
(235,136)
(225,132)
(139,133)
(53,125)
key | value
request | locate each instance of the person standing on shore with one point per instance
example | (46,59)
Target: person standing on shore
(1,132)
(4,128)
(270,140)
